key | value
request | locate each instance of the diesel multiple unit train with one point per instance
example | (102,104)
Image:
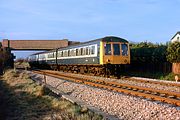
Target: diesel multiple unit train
(104,56)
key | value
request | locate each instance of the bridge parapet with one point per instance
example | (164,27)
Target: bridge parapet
(34,44)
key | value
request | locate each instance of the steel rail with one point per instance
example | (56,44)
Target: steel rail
(153,82)
(158,95)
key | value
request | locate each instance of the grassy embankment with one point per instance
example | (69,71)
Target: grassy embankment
(22,99)
(161,76)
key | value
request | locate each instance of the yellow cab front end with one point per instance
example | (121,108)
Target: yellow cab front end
(114,50)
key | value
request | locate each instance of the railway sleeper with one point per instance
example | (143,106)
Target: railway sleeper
(141,91)
(154,93)
(129,88)
(134,89)
(124,87)
(172,96)
(162,95)
(147,92)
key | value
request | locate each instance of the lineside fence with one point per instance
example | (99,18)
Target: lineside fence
(176,68)
(1,68)
(164,67)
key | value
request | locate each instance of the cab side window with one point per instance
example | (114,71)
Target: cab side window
(107,48)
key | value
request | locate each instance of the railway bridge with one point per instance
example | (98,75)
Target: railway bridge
(22,45)
(34,44)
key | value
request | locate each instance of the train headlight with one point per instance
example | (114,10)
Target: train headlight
(108,60)
(125,61)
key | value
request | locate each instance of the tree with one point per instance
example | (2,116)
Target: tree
(173,52)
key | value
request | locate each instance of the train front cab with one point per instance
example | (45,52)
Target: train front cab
(114,53)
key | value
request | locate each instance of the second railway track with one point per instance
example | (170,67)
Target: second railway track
(149,93)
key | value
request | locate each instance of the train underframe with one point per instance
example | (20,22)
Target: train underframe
(106,70)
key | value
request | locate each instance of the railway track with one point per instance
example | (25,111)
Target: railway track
(153,82)
(156,84)
(149,93)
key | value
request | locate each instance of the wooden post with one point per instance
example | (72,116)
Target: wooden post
(177,78)
(44,78)
(176,68)
(15,68)
(1,68)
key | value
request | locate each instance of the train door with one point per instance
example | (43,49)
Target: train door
(116,56)
(107,53)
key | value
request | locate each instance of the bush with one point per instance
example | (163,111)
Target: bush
(148,53)
(173,52)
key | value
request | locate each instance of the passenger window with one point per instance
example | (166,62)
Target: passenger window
(124,49)
(76,52)
(81,51)
(107,49)
(59,54)
(50,55)
(72,52)
(65,53)
(116,49)
(87,50)
(92,50)
(68,53)
(98,50)
(84,51)
(62,53)
(54,55)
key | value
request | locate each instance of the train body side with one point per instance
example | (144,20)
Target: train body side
(83,54)
(108,50)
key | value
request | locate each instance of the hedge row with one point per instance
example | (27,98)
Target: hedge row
(153,53)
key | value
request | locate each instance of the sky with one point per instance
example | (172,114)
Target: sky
(82,20)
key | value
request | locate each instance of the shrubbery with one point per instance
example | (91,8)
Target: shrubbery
(173,52)
(145,52)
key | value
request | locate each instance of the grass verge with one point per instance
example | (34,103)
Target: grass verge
(22,99)
(161,76)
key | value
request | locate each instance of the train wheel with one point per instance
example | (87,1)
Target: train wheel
(106,71)
(82,70)
(117,71)
(64,68)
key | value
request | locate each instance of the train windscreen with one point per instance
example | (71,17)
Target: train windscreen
(124,49)
(116,49)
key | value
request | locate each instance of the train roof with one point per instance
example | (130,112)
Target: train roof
(104,39)
(107,39)
(43,52)
(114,39)
(40,52)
